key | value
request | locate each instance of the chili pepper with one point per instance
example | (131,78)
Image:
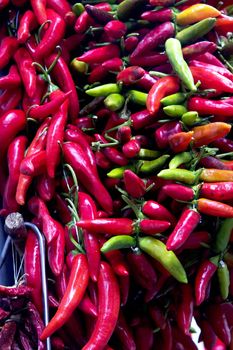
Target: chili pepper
(205,134)
(134,185)
(184,339)
(175,111)
(26,69)
(11,80)
(27,23)
(3,4)
(180,142)
(196,239)
(223,235)
(138,97)
(56,251)
(118,242)
(216,317)
(167,259)
(174,99)
(152,227)
(75,156)
(100,54)
(179,65)
(155,210)
(195,31)
(34,165)
(212,162)
(8,47)
(154,38)
(32,269)
(148,59)
(114,102)
(161,2)
(181,175)
(223,144)
(199,48)
(224,24)
(220,70)
(212,79)
(219,191)
(111,226)
(7,334)
(127,7)
(15,155)
(20,291)
(190,118)
(77,285)
(123,332)
(164,86)
(185,308)
(45,187)
(144,336)
(130,43)
(130,75)
(36,99)
(209,337)
(216,175)
(148,166)
(9,100)
(196,13)
(117,262)
(131,148)
(98,15)
(115,29)
(39,9)
(141,119)
(157,316)
(143,272)
(180,158)
(214,208)
(223,279)
(163,15)
(100,72)
(210,59)
(179,192)
(63,8)
(104,90)
(204,274)
(162,134)
(207,107)
(185,226)
(111,153)
(148,153)
(65,81)
(43,111)
(146,82)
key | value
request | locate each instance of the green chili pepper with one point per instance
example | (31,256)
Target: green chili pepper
(117,173)
(223,235)
(195,31)
(79,66)
(174,99)
(180,158)
(190,118)
(114,102)
(118,242)
(223,279)
(149,166)
(167,259)
(181,175)
(138,97)
(175,111)
(148,153)
(127,8)
(104,90)
(179,65)
(78,8)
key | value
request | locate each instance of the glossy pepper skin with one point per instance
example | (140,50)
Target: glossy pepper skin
(214,208)
(27,71)
(76,287)
(196,13)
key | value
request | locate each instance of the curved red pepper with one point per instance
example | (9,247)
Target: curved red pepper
(156,210)
(218,321)
(130,75)
(108,308)
(100,54)
(115,29)
(76,287)
(141,119)
(214,208)
(27,23)
(196,239)
(157,316)
(27,71)
(45,186)
(204,274)
(223,71)
(11,80)
(10,99)
(63,8)
(185,308)
(111,153)
(56,249)
(163,87)
(39,9)
(207,107)
(34,164)
(163,133)
(8,47)
(134,186)
(185,226)
(211,59)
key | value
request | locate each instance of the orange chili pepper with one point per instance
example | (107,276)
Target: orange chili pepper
(214,208)
(205,134)
(216,175)
(196,13)
(180,141)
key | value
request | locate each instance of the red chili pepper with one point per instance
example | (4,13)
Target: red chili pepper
(87,210)
(27,24)
(11,80)
(10,99)
(214,208)
(4,3)
(163,87)
(34,165)
(183,339)
(124,284)
(185,226)
(63,8)
(130,43)
(224,24)
(27,71)
(134,186)
(100,54)
(111,153)
(14,156)
(143,273)
(218,322)
(180,142)
(42,111)
(99,15)
(75,156)
(196,239)
(41,88)
(157,316)
(45,186)
(212,80)
(151,227)
(204,274)
(146,82)
(84,21)
(199,48)
(124,134)
(101,71)
(130,75)
(56,250)
(131,148)
(62,75)
(163,15)
(154,38)
(222,71)
(212,162)
(77,285)
(108,308)
(224,144)
(211,59)
(208,335)
(141,119)
(148,59)
(124,334)
(163,133)
(115,29)
(39,9)
(207,107)
(20,291)
(32,269)
(205,134)
(185,308)
(155,210)
(144,336)
(178,192)
(110,226)
(8,47)
(218,191)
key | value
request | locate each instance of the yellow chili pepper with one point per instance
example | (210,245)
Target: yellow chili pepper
(196,13)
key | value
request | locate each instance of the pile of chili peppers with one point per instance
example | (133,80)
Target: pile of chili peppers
(116,141)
